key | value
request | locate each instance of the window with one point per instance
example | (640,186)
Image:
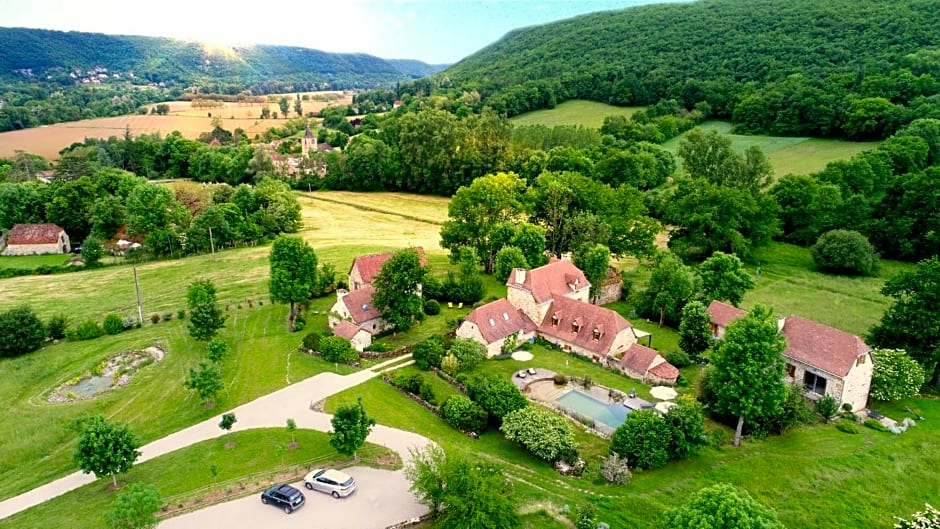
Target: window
(791,370)
(814,383)
(555,320)
(575,327)
(597,334)
(860,360)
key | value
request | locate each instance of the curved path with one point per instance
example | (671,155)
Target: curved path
(271,410)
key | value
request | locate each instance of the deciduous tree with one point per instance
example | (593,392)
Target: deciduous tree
(695,333)
(293,271)
(671,285)
(643,438)
(351,426)
(497,395)
(104,448)
(205,317)
(205,381)
(748,368)
(135,508)
(845,252)
(593,261)
(725,278)
(22,332)
(398,290)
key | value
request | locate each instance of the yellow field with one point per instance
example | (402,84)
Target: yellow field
(49,140)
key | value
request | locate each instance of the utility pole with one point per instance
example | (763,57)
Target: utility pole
(211,242)
(140,308)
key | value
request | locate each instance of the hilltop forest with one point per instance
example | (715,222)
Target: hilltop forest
(795,67)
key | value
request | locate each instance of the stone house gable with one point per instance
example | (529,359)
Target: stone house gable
(357,307)
(647,365)
(534,290)
(490,324)
(33,239)
(365,267)
(722,315)
(358,337)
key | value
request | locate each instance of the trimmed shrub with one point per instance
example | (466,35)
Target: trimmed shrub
(464,414)
(167,316)
(845,252)
(541,431)
(679,359)
(86,330)
(56,326)
(827,408)
(426,392)
(155,318)
(432,307)
(21,332)
(181,314)
(312,341)
(560,379)
(428,352)
(875,425)
(113,324)
(847,427)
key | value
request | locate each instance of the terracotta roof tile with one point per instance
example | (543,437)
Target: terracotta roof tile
(345,329)
(359,304)
(723,314)
(370,265)
(554,279)
(589,317)
(34,234)
(498,319)
(665,370)
(821,346)
(638,358)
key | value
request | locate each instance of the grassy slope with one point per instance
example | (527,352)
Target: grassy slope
(575,112)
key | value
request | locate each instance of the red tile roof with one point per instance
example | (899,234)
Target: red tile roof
(545,282)
(370,265)
(345,329)
(498,319)
(665,370)
(589,317)
(723,314)
(34,234)
(638,358)
(359,304)
(821,346)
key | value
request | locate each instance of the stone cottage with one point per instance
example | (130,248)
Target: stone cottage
(34,239)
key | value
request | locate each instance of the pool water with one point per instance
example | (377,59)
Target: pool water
(612,415)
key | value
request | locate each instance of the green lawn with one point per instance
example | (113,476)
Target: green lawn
(33,261)
(798,155)
(590,114)
(259,458)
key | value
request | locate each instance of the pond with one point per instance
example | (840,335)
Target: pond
(114,372)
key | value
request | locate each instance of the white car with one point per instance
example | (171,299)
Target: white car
(338,484)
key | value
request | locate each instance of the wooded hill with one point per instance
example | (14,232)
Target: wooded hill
(721,52)
(38,54)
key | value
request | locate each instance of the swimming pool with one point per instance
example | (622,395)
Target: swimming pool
(612,415)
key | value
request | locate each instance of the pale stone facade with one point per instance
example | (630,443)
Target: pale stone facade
(852,388)
(36,239)
(471,331)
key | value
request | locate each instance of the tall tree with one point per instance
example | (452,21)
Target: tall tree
(398,290)
(695,333)
(748,368)
(293,272)
(593,261)
(477,209)
(724,278)
(671,285)
(911,322)
(205,317)
(351,426)
(105,448)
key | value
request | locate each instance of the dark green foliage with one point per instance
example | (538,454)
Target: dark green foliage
(432,307)
(469,353)
(104,448)
(593,261)
(92,252)
(428,352)
(464,414)
(846,252)
(205,318)
(293,271)
(507,258)
(411,384)
(911,322)
(86,330)
(228,421)
(695,333)
(426,392)
(495,394)
(679,359)
(216,350)
(22,331)
(849,427)
(397,290)
(135,508)
(351,426)
(542,432)
(671,285)
(722,505)
(643,439)
(724,278)
(827,407)
(205,381)
(312,341)
(56,326)
(113,324)
(337,349)
(466,285)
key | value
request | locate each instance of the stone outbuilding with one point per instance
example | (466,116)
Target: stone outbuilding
(365,267)
(356,307)
(358,337)
(645,364)
(34,239)
(493,323)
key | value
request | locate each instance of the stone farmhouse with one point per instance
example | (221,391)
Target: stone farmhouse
(33,239)
(826,361)
(356,307)
(365,267)
(552,302)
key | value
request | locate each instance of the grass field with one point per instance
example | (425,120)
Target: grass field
(47,141)
(807,487)
(33,261)
(575,112)
(786,154)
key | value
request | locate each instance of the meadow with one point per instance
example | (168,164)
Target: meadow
(806,487)
(47,141)
(589,114)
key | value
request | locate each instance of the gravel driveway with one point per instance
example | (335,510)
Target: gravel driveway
(381,499)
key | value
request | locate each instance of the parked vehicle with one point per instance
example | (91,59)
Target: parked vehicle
(283,496)
(333,482)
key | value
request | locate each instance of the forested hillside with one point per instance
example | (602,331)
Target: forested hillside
(37,54)
(775,66)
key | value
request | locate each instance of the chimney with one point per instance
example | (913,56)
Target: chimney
(341,293)
(780,322)
(520,275)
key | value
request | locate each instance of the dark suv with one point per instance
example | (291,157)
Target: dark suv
(283,496)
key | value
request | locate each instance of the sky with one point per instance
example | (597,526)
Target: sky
(433,31)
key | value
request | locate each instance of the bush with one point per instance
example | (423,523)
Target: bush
(129,322)
(21,332)
(679,359)
(181,314)
(155,318)
(464,414)
(643,439)
(585,516)
(827,408)
(432,307)
(507,258)
(560,379)
(56,326)
(86,330)
(469,353)
(847,427)
(312,341)
(845,252)
(616,470)
(896,375)
(167,316)
(337,349)
(495,394)
(875,425)
(428,352)
(541,431)
(113,324)
(426,392)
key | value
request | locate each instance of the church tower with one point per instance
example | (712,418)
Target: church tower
(308,142)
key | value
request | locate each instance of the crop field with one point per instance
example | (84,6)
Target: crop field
(47,141)
(786,154)
(576,112)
